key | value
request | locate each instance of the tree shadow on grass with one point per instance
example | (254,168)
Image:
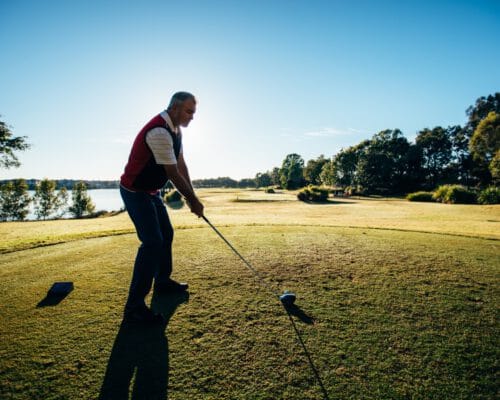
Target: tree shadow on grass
(328,202)
(141,351)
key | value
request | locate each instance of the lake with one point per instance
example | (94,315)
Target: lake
(104,199)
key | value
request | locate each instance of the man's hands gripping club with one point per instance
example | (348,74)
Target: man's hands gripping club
(180,178)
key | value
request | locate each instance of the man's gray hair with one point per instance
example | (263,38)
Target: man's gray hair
(179,98)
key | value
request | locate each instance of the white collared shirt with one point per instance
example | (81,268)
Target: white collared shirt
(161,144)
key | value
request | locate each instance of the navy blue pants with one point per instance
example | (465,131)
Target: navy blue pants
(154,257)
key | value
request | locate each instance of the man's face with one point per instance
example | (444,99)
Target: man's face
(183,113)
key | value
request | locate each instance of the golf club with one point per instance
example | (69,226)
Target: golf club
(287,298)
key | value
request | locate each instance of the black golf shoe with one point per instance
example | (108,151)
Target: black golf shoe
(142,315)
(170,286)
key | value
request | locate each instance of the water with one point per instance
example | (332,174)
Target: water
(103,199)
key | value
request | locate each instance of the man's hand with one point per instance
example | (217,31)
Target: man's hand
(196,207)
(184,186)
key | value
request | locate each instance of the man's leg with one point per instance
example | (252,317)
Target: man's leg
(162,274)
(163,282)
(143,212)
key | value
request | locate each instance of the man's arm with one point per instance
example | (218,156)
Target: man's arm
(178,178)
(183,170)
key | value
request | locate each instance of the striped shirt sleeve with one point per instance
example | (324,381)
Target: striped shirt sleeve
(162,146)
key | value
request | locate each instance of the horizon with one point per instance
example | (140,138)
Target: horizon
(271,78)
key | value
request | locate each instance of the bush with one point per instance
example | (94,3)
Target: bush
(313,194)
(270,191)
(174,200)
(490,195)
(303,195)
(454,194)
(173,197)
(420,196)
(441,193)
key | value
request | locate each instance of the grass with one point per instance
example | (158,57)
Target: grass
(401,310)
(249,207)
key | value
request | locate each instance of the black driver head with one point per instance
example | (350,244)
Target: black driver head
(287,299)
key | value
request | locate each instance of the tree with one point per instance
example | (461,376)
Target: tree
(82,203)
(495,168)
(484,144)
(63,201)
(8,145)
(345,164)
(263,179)
(478,112)
(436,148)
(327,174)
(414,177)
(275,176)
(291,173)
(14,200)
(460,167)
(46,200)
(382,166)
(313,169)
(246,183)
(469,173)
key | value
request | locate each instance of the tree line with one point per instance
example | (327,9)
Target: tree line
(388,163)
(47,202)
(68,184)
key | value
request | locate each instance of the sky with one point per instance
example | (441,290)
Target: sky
(80,78)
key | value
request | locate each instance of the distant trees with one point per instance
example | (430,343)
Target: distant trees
(389,164)
(480,110)
(47,201)
(82,203)
(8,145)
(268,178)
(382,165)
(436,149)
(327,173)
(345,165)
(14,200)
(460,167)
(263,179)
(476,113)
(484,146)
(291,172)
(223,182)
(313,168)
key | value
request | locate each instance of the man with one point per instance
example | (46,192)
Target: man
(155,158)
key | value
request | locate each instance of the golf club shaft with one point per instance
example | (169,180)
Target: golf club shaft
(263,283)
(249,266)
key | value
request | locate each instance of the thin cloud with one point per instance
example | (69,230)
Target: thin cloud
(358,131)
(333,132)
(326,132)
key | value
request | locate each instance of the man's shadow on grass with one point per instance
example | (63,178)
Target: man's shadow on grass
(141,350)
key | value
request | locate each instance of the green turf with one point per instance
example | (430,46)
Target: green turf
(396,315)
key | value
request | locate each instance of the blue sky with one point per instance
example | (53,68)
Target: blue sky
(80,78)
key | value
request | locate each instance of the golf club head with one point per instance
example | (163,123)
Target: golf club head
(287,298)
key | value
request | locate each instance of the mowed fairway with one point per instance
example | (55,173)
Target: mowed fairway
(396,300)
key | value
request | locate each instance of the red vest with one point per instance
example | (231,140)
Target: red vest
(141,172)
